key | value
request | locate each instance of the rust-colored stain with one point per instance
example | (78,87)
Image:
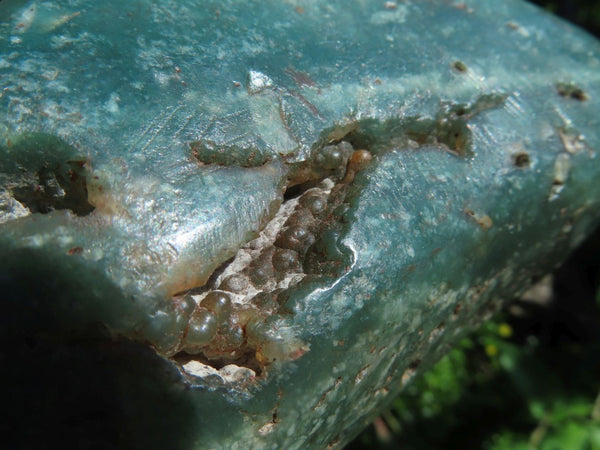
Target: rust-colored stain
(75,250)
(300,78)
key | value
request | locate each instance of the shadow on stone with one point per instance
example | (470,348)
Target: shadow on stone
(75,388)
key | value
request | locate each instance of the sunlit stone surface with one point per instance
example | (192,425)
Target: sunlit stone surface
(249,224)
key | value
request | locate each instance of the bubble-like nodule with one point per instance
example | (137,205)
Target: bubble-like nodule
(184,306)
(265,301)
(229,343)
(359,160)
(234,283)
(201,329)
(274,339)
(261,270)
(330,157)
(296,238)
(315,203)
(330,247)
(219,303)
(285,260)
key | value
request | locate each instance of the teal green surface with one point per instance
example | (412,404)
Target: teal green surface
(190,121)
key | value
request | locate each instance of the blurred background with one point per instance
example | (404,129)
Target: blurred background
(529,378)
(585,13)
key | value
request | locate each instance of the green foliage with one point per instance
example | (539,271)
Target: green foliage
(494,392)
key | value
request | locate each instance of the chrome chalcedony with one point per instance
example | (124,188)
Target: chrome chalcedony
(249,224)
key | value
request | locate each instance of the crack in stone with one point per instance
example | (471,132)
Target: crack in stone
(241,316)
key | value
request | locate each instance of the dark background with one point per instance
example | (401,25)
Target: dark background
(585,13)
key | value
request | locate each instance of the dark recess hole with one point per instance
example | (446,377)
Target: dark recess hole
(571,90)
(521,160)
(415,364)
(460,110)
(459,66)
(56,188)
(299,189)
(45,173)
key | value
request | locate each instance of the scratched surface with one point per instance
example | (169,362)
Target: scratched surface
(140,80)
(484,128)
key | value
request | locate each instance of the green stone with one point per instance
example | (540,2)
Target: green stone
(250,224)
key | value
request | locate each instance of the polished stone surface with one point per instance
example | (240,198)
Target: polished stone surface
(284,211)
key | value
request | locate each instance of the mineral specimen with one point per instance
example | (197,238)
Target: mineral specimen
(249,224)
